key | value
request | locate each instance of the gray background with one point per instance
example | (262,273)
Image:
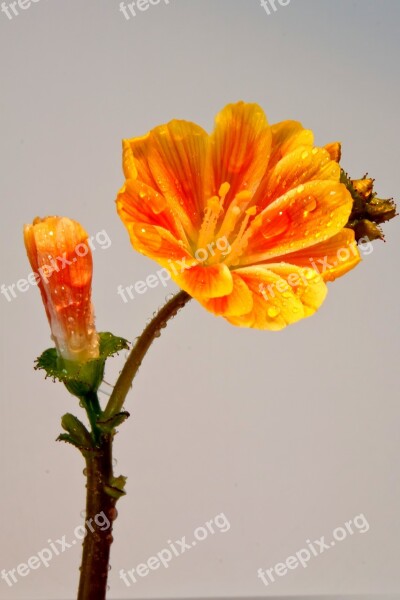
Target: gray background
(289,434)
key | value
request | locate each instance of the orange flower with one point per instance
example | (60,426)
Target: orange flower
(249,220)
(60,256)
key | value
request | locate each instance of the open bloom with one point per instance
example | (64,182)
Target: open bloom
(61,259)
(249,220)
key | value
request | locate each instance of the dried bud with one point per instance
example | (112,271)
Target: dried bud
(368,211)
(363,187)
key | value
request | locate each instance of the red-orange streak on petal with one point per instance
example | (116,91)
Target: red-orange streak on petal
(239,150)
(171,160)
(332,258)
(238,302)
(286,137)
(297,167)
(279,299)
(303,217)
(204,282)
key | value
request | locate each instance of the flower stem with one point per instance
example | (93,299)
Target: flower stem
(100,514)
(102,491)
(139,351)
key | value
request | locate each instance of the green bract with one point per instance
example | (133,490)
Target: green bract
(81,378)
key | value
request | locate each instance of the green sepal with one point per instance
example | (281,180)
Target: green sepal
(110,424)
(77,434)
(81,378)
(111,344)
(116,487)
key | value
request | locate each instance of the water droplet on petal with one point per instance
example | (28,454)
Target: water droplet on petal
(311,204)
(309,274)
(276,226)
(273,311)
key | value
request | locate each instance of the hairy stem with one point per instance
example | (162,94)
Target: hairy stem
(101,496)
(139,351)
(100,514)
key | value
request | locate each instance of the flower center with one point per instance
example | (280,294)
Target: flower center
(226,232)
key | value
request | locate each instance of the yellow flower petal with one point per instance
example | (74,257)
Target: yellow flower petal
(171,160)
(332,258)
(282,294)
(238,302)
(286,137)
(239,150)
(335,150)
(204,282)
(260,203)
(158,243)
(305,216)
(138,203)
(297,167)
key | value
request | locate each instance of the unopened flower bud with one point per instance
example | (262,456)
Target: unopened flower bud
(60,256)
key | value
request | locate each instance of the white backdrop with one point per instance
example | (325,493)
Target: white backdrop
(289,435)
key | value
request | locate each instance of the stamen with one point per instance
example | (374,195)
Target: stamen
(181,231)
(236,210)
(209,223)
(241,239)
(233,212)
(211,215)
(223,190)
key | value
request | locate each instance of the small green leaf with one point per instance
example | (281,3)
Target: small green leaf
(116,487)
(76,430)
(108,425)
(65,437)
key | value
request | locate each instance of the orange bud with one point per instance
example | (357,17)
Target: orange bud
(60,256)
